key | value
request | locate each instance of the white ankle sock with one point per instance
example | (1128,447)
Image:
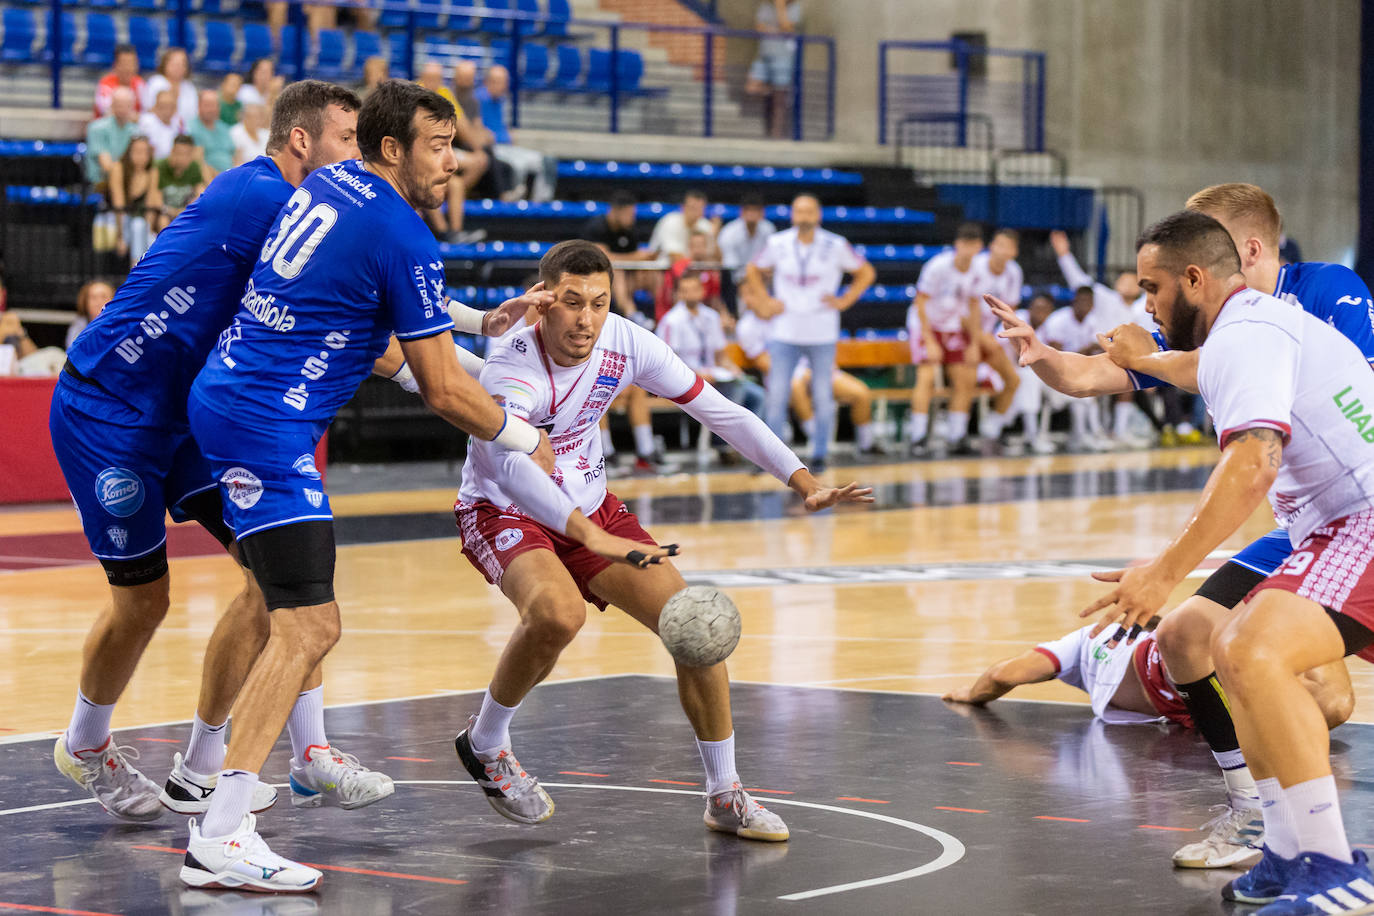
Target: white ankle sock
(90,725)
(990,425)
(205,753)
(644,441)
(1240,784)
(863,436)
(956,425)
(719,759)
(233,799)
(1280,833)
(920,426)
(491,731)
(306,723)
(1030,422)
(1316,812)
(1121,418)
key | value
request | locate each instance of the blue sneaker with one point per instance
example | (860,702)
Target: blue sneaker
(1263,883)
(1322,886)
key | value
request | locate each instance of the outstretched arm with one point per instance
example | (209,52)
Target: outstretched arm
(1030,667)
(1074,374)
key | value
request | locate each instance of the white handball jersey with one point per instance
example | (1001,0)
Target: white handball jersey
(949,289)
(696,338)
(751,333)
(1065,332)
(1086,663)
(1005,286)
(803,276)
(1267,365)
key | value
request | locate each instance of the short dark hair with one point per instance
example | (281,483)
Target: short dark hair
(623,199)
(1008,232)
(694,192)
(575,256)
(1191,237)
(752,200)
(125,49)
(183,140)
(689,275)
(968,232)
(302,105)
(390,112)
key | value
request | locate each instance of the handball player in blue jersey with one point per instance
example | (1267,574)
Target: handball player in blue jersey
(119,429)
(1133,359)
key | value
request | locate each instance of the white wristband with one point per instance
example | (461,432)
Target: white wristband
(517,435)
(472,363)
(406,379)
(466,319)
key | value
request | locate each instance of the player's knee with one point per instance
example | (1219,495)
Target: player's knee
(1183,636)
(1242,656)
(554,620)
(1337,706)
(313,630)
(142,608)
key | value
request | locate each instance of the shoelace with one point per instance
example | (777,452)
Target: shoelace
(508,767)
(742,804)
(91,768)
(1227,812)
(345,768)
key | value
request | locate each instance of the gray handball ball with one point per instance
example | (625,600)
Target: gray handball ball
(700,626)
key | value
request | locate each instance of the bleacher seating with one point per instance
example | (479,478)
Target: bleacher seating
(219,47)
(21,29)
(101,39)
(68,33)
(143,35)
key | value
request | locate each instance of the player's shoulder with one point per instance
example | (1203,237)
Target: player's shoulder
(516,347)
(256,183)
(1321,276)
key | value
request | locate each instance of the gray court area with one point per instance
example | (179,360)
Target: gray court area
(897,804)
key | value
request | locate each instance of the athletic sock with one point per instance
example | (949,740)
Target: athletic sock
(1280,833)
(956,425)
(491,731)
(644,441)
(920,426)
(1030,425)
(719,759)
(90,725)
(991,424)
(809,427)
(863,436)
(1240,784)
(1121,419)
(205,753)
(1316,812)
(232,799)
(607,446)
(306,723)
(1206,702)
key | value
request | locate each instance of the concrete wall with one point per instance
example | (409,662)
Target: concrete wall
(1163,95)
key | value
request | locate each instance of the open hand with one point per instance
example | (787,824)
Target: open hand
(825,497)
(1141,591)
(511,312)
(1059,241)
(1029,347)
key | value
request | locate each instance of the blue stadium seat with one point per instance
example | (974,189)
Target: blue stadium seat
(392,19)
(493,24)
(329,60)
(629,69)
(465,22)
(291,49)
(103,4)
(68,41)
(190,39)
(44,2)
(429,14)
(499,52)
(146,38)
(100,40)
(534,65)
(569,68)
(219,47)
(144,4)
(215,8)
(257,42)
(20,31)
(598,70)
(556,23)
(532,7)
(365,45)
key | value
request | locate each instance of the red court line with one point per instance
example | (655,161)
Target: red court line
(160,740)
(341,868)
(1362,846)
(413,759)
(962,763)
(965,810)
(6,905)
(871,801)
(580,773)
(1157,827)
(1069,820)
(675,782)
(771,791)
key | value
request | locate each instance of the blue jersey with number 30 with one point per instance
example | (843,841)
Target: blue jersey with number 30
(148,343)
(1333,293)
(347,262)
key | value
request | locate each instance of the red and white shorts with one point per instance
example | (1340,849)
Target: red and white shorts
(1163,696)
(1333,568)
(493,538)
(953,343)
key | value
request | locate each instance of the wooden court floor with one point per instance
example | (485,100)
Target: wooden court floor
(900,597)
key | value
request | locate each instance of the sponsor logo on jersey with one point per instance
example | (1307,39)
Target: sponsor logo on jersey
(314,497)
(590,473)
(120,491)
(305,466)
(584,419)
(118,536)
(519,344)
(422,285)
(509,538)
(348,179)
(266,310)
(1356,412)
(243,486)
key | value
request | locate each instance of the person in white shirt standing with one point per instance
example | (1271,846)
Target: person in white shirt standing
(996,271)
(743,238)
(1290,397)
(807,264)
(696,334)
(549,542)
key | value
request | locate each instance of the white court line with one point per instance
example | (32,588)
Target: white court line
(881,677)
(952,849)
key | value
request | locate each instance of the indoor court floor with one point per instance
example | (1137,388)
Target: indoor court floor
(854,623)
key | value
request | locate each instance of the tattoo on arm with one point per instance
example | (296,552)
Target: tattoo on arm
(1271,440)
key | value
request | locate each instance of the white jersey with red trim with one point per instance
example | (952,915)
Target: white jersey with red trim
(568,403)
(949,289)
(1267,365)
(1086,663)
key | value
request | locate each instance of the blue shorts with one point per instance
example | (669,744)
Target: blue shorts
(124,474)
(267,477)
(1267,554)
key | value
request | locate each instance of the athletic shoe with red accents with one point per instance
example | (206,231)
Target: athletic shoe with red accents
(105,772)
(514,793)
(735,811)
(329,774)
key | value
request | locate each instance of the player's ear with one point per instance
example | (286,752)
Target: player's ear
(1251,252)
(391,150)
(300,142)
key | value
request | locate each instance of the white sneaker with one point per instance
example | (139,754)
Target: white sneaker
(1234,838)
(105,772)
(1042,446)
(514,793)
(188,792)
(242,859)
(736,812)
(331,775)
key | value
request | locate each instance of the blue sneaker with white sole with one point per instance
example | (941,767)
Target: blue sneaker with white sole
(1323,886)
(1265,882)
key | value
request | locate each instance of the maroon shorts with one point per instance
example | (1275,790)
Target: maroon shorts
(1162,694)
(1333,568)
(953,343)
(492,539)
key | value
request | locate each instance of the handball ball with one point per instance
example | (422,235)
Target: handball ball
(700,626)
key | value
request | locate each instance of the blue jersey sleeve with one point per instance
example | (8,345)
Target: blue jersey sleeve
(1338,296)
(1140,380)
(413,289)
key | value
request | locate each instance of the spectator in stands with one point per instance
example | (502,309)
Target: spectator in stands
(211,135)
(230,108)
(673,230)
(15,343)
(771,73)
(124,73)
(262,85)
(317,16)
(431,76)
(90,299)
(808,264)
(617,235)
(465,91)
(530,166)
(135,199)
(174,75)
(698,254)
(741,239)
(250,134)
(1075,329)
(376,71)
(180,179)
(107,138)
(162,124)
